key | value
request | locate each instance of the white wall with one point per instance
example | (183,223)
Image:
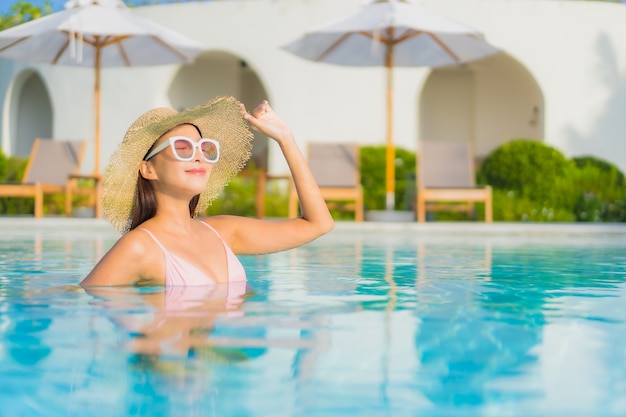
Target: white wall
(506,104)
(575,50)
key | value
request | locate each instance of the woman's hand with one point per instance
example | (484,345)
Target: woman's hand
(263,119)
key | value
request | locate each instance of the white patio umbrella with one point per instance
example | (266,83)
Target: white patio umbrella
(97,33)
(389,33)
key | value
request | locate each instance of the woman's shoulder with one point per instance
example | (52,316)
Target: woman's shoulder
(224,225)
(132,259)
(242,233)
(220,222)
(137,242)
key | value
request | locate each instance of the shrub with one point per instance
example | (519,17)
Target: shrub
(236,198)
(373,177)
(239,198)
(535,182)
(510,206)
(3,166)
(532,170)
(613,173)
(601,191)
(12,170)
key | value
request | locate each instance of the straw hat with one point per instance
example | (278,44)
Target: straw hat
(218,119)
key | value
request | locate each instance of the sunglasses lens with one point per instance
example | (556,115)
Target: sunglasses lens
(184,148)
(210,151)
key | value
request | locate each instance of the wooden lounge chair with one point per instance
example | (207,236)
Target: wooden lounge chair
(53,168)
(446,177)
(335,167)
(262,179)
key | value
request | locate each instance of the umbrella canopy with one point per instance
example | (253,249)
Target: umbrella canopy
(389,33)
(97,33)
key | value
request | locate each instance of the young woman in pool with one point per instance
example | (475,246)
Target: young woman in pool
(164,174)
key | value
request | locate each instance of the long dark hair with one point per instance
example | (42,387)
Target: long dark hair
(145,206)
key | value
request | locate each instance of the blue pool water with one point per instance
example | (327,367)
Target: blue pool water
(370,320)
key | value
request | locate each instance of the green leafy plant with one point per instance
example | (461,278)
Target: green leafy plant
(373,177)
(12,170)
(531,169)
(531,181)
(510,206)
(239,197)
(601,191)
(535,182)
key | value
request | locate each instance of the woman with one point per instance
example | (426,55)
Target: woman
(166,171)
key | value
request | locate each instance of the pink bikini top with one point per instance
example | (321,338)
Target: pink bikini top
(179,272)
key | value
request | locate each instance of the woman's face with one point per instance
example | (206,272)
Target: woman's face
(191,175)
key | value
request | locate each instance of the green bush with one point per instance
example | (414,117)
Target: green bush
(3,166)
(12,170)
(532,170)
(510,206)
(533,181)
(614,174)
(373,177)
(601,191)
(238,198)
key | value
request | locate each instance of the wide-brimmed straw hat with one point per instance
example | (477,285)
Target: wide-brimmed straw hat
(219,119)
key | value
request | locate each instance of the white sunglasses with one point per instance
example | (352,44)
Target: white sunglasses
(184,149)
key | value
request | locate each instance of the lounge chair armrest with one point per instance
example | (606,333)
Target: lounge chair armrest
(97,192)
(278,177)
(95,177)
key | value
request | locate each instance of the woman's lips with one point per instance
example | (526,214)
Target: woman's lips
(196,171)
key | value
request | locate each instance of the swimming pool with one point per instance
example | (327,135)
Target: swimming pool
(371,320)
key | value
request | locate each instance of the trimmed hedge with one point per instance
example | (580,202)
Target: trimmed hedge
(533,181)
(602,191)
(373,177)
(12,170)
(529,168)
(239,197)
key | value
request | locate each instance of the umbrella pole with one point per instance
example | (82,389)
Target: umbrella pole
(390,171)
(96,95)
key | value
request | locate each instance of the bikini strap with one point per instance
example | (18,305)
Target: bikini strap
(214,231)
(154,238)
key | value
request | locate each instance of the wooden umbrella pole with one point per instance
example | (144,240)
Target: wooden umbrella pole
(96,95)
(390,171)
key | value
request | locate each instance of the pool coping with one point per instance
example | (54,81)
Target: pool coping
(497,228)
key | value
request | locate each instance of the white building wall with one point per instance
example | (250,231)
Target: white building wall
(575,50)
(507,106)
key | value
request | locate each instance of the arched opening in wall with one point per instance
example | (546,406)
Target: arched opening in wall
(30,113)
(219,73)
(488,102)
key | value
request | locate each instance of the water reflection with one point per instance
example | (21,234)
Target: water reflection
(368,323)
(476,324)
(24,345)
(192,350)
(497,335)
(175,349)
(173,321)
